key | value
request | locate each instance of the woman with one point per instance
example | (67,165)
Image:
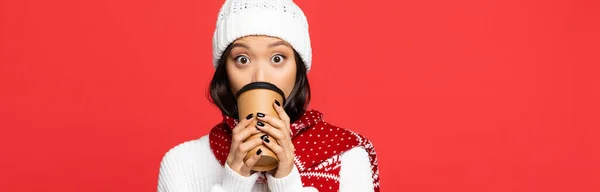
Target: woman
(268,41)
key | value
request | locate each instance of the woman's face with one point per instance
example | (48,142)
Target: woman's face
(261,59)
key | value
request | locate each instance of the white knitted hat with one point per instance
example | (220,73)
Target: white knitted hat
(275,18)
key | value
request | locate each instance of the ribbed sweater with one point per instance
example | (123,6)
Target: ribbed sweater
(192,167)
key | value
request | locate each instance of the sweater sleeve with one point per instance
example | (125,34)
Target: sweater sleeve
(190,167)
(290,183)
(233,182)
(355,171)
(175,173)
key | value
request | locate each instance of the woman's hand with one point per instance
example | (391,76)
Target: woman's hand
(239,148)
(279,129)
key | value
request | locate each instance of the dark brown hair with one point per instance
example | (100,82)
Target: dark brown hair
(222,97)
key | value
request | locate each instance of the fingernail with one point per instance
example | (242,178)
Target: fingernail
(277,103)
(265,138)
(249,116)
(259,114)
(257,128)
(259,151)
(260,124)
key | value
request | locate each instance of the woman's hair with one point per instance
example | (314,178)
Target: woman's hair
(222,97)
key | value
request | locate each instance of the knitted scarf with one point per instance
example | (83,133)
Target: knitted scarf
(318,147)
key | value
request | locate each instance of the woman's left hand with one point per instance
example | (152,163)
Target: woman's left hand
(279,129)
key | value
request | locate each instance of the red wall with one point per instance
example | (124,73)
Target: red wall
(468,95)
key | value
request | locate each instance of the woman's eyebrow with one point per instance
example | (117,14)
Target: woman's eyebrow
(239,45)
(278,43)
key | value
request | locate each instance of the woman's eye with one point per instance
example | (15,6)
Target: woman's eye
(277,59)
(242,59)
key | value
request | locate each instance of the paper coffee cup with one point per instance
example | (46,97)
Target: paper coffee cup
(259,97)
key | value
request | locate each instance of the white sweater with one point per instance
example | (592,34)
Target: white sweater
(192,167)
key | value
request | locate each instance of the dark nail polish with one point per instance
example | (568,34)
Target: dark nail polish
(277,103)
(259,151)
(249,116)
(259,114)
(260,124)
(265,138)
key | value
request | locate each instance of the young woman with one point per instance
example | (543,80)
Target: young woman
(268,41)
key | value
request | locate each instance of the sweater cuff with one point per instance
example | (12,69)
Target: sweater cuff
(292,182)
(232,181)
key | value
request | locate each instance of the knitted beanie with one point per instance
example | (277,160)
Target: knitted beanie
(276,18)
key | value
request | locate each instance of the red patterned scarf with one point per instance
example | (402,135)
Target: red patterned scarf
(318,146)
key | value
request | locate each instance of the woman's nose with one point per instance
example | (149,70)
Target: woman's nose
(260,74)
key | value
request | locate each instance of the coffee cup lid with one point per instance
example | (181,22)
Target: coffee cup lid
(261,85)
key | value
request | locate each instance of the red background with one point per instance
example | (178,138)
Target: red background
(468,95)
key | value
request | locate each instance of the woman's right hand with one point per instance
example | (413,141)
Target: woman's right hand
(239,148)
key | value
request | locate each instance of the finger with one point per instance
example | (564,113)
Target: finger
(275,122)
(277,149)
(252,161)
(241,136)
(247,146)
(274,132)
(284,142)
(282,114)
(243,123)
(282,137)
